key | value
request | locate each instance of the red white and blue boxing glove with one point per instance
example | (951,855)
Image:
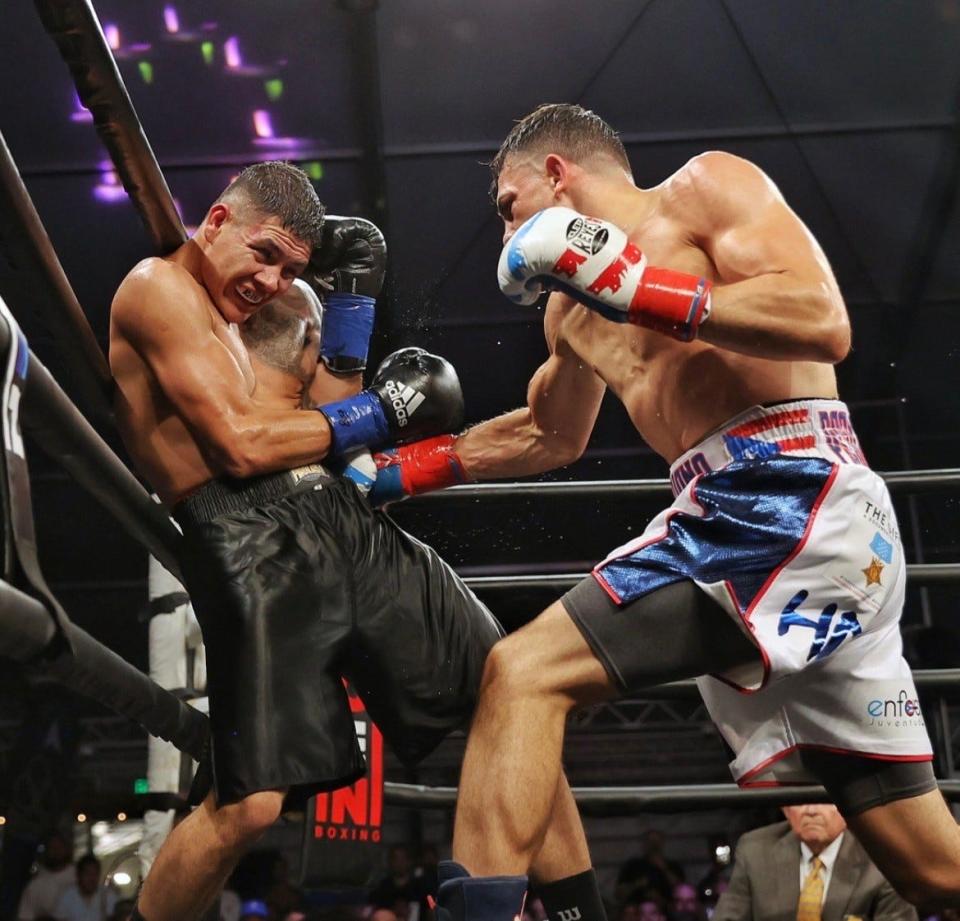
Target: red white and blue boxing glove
(595,263)
(347,269)
(409,470)
(413,395)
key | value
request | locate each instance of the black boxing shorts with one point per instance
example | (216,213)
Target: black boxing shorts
(296,582)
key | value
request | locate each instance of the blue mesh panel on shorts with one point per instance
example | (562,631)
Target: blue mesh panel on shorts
(755,513)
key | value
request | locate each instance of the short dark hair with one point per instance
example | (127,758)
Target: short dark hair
(280,189)
(570,130)
(87,860)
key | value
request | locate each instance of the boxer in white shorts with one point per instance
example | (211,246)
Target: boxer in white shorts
(709,310)
(780,522)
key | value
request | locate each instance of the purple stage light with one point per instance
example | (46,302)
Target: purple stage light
(170,19)
(267,137)
(109,190)
(231,53)
(263,124)
(109,194)
(80,112)
(112,34)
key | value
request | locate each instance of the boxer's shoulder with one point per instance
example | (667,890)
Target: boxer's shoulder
(714,187)
(159,289)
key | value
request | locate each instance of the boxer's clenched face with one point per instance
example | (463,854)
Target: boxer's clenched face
(248,261)
(523,189)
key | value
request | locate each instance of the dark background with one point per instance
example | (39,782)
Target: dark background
(850,107)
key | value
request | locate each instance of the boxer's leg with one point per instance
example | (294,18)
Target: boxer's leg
(899,816)
(915,843)
(562,869)
(533,678)
(564,851)
(511,768)
(194,862)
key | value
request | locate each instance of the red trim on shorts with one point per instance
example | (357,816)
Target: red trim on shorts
(800,543)
(773,421)
(799,443)
(614,597)
(745,781)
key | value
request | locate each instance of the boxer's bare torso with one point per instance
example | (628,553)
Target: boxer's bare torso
(163,449)
(778,321)
(189,404)
(676,392)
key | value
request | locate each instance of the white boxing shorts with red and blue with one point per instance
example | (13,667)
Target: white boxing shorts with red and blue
(779,520)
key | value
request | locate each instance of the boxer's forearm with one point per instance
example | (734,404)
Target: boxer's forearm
(779,317)
(513,445)
(327,386)
(262,441)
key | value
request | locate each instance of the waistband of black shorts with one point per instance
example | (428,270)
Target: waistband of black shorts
(223,496)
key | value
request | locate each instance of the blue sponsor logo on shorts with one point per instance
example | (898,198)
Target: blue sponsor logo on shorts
(882,548)
(829,629)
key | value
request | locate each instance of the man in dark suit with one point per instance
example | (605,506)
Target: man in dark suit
(808,868)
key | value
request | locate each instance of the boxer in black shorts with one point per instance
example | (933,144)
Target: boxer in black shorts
(296,581)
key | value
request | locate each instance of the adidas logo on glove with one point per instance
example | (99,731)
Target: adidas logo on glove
(404,400)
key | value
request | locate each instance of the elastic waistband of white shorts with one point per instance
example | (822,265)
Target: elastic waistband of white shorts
(804,428)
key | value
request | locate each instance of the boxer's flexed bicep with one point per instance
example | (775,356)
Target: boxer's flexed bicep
(775,295)
(158,314)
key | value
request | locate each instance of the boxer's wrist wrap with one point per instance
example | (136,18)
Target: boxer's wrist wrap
(670,302)
(345,335)
(424,466)
(355,422)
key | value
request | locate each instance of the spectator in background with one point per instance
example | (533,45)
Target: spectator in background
(685,904)
(123,910)
(400,890)
(650,910)
(254,910)
(716,880)
(383,914)
(809,868)
(650,871)
(282,897)
(426,875)
(86,899)
(55,874)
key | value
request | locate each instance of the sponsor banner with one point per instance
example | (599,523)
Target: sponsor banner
(343,828)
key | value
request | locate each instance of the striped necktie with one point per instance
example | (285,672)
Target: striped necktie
(811,895)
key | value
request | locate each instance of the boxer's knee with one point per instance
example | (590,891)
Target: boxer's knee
(243,823)
(517,670)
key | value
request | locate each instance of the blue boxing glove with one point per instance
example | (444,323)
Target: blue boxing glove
(413,395)
(348,268)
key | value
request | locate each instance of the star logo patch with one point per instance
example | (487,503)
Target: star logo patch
(873,572)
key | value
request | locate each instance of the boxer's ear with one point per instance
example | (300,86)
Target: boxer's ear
(216,217)
(558,172)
